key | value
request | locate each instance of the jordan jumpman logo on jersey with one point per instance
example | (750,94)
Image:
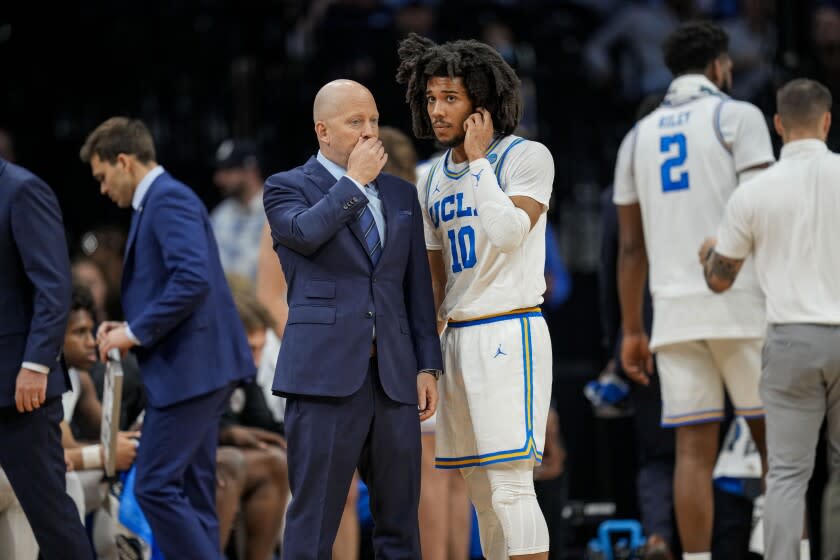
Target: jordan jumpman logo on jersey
(499,352)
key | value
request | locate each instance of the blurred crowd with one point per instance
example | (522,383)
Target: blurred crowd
(226,92)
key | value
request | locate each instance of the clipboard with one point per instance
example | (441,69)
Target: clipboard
(111,403)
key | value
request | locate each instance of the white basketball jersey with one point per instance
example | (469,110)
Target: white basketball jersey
(480,279)
(681,164)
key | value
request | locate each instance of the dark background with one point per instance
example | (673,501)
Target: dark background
(198,72)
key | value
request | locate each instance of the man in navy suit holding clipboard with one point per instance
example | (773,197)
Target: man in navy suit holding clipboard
(186,332)
(35,289)
(360,353)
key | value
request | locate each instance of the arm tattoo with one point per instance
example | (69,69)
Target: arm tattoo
(720,272)
(723,268)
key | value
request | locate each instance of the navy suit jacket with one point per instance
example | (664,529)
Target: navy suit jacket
(335,293)
(35,285)
(177,301)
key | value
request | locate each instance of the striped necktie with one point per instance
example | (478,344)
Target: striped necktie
(368,225)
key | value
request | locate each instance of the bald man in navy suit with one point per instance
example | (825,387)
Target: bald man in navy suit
(361,354)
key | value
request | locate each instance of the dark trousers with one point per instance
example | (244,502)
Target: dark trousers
(328,438)
(655,477)
(732,527)
(553,495)
(176,475)
(32,457)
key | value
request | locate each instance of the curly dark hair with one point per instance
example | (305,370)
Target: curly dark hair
(693,45)
(489,80)
(82,300)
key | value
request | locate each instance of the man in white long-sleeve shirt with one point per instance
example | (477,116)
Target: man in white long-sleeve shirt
(787,218)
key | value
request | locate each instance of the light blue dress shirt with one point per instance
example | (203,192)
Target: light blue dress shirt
(143,187)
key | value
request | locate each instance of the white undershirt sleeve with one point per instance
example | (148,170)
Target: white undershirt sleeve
(40,368)
(505,225)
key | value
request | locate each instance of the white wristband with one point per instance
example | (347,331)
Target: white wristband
(91,457)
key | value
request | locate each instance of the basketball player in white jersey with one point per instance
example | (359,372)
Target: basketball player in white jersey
(485,203)
(675,171)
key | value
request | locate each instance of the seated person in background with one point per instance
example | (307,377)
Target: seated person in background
(249,426)
(231,477)
(83,407)
(271,285)
(88,272)
(244,295)
(82,404)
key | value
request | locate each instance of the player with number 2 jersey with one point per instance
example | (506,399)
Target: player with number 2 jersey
(674,173)
(681,164)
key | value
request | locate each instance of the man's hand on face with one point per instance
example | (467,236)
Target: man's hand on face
(366,160)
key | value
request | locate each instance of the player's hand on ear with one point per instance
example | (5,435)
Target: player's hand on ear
(478,130)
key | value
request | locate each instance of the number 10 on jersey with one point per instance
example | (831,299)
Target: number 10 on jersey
(462,247)
(673,177)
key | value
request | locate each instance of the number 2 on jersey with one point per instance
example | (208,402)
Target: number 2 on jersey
(669,181)
(465,237)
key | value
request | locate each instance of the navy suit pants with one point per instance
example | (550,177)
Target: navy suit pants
(33,459)
(328,439)
(176,475)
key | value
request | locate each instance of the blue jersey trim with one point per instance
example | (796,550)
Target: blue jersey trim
(692,418)
(459,174)
(535,312)
(502,160)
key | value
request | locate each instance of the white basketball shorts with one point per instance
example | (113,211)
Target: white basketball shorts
(693,376)
(496,391)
